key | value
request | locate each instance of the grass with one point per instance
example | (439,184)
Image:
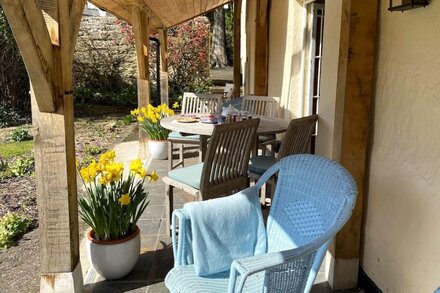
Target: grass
(13,149)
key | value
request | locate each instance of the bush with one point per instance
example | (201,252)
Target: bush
(23,166)
(12,226)
(188,56)
(20,134)
(128,120)
(14,82)
(98,71)
(188,47)
(93,150)
(3,165)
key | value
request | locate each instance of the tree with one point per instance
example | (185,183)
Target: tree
(188,56)
(218,42)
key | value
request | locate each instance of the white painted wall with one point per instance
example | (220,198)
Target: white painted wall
(286,34)
(401,246)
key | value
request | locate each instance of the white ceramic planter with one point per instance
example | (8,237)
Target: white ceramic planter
(114,259)
(158,149)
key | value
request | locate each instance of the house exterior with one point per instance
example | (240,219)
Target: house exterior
(371,75)
(400,223)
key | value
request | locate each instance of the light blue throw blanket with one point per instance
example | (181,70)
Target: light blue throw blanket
(221,230)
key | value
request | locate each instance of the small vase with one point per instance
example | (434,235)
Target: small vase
(158,149)
(114,259)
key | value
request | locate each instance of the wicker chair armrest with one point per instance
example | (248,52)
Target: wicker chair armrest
(179,245)
(246,267)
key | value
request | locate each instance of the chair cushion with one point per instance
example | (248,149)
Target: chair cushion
(180,135)
(189,175)
(260,164)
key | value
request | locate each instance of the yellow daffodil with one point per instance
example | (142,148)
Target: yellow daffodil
(125,199)
(85,175)
(113,172)
(136,168)
(176,105)
(89,173)
(149,118)
(104,180)
(108,156)
(135,165)
(153,176)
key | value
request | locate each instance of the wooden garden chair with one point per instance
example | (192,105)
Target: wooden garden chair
(296,141)
(224,170)
(192,103)
(227,91)
(263,106)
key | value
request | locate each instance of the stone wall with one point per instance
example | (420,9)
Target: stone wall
(103,35)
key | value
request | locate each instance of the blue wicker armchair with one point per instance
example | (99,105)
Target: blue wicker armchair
(314,198)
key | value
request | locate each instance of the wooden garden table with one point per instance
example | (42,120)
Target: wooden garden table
(268,126)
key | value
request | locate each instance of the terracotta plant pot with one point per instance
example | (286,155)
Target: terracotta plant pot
(158,149)
(114,259)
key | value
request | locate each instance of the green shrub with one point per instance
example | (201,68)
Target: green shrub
(3,164)
(128,120)
(93,150)
(12,226)
(20,134)
(14,82)
(23,166)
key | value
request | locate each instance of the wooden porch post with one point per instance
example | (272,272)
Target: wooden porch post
(140,22)
(163,39)
(47,47)
(262,48)
(237,48)
(350,122)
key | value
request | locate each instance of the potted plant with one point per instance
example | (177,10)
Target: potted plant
(111,206)
(149,119)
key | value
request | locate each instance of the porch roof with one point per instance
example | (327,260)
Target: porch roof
(163,13)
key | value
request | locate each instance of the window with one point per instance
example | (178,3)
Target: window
(315,57)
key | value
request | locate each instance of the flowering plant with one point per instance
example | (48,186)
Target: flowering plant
(149,119)
(113,203)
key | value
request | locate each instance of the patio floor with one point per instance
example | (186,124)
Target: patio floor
(156,257)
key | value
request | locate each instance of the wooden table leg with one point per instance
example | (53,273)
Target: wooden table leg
(203,146)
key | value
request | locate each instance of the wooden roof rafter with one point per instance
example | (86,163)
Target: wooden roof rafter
(164,13)
(156,22)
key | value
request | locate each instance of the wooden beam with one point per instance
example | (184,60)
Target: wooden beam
(46,41)
(262,48)
(141,29)
(237,48)
(163,39)
(359,30)
(154,20)
(31,36)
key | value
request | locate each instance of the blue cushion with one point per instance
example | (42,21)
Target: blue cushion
(189,175)
(260,164)
(179,135)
